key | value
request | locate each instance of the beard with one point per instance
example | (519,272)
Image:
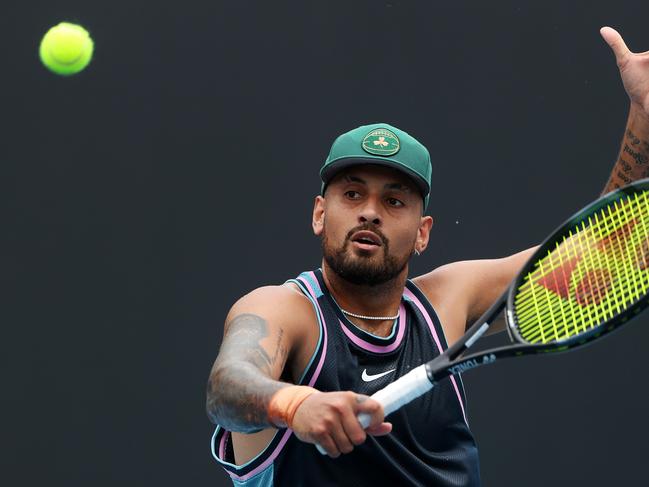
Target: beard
(359,269)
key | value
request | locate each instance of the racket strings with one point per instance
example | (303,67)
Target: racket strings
(595,271)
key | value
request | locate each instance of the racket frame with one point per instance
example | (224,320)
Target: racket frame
(452,361)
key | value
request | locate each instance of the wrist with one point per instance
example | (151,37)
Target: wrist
(638,114)
(285,402)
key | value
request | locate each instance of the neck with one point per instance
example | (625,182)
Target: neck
(380,300)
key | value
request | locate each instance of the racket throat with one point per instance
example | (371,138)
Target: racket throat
(434,367)
(443,366)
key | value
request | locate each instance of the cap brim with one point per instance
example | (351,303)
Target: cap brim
(330,170)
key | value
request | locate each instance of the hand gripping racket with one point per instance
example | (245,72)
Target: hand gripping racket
(589,277)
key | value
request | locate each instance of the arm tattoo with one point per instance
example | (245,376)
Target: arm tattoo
(632,163)
(240,385)
(632,138)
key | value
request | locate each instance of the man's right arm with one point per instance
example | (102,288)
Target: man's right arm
(243,378)
(265,333)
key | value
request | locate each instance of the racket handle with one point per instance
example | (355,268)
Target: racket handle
(397,394)
(364,419)
(402,391)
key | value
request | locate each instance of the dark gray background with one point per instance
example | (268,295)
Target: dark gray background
(143,196)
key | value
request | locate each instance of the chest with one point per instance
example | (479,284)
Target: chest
(364,363)
(358,363)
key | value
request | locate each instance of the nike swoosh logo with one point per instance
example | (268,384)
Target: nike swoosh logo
(369,378)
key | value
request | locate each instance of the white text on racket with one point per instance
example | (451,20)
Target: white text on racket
(469,364)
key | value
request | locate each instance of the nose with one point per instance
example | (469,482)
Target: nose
(370,213)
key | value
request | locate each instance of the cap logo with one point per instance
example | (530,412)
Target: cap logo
(381,142)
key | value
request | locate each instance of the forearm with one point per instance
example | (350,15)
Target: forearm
(244,376)
(633,161)
(238,396)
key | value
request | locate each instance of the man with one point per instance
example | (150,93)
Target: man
(298,361)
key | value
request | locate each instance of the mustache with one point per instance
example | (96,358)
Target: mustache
(369,228)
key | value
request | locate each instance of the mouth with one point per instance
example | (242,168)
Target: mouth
(366,239)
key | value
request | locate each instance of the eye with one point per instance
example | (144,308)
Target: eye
(353,195)
(394,202)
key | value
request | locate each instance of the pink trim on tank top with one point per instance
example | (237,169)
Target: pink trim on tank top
(431,326)
(266,462)
(222,444)
(401,328)
(313,380)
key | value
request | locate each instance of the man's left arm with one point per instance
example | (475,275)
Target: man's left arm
(479,283)
(633,160)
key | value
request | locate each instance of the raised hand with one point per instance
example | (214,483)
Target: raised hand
(634,69)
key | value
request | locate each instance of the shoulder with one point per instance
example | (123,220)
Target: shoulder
(282,305)
(463,290)
(267,296)
(473,278)
(285,313)
(282,301)
(441,284)
(444,282)
(444,287)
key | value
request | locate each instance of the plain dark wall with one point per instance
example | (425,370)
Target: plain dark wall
(143,196)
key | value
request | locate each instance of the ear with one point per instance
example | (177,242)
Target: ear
(318,215)
(423,233)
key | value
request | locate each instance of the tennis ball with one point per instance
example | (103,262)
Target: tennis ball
(66,49)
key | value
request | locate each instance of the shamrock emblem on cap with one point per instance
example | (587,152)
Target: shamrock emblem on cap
(381,142)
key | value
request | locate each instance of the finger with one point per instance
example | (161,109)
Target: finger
(353,429)
(369,406)
(616,43)
(342,441)
(329,446)
(380,430)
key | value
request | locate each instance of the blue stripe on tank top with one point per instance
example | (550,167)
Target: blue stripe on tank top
(306,292)
(310,277)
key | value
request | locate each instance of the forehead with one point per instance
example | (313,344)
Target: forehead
(373,174)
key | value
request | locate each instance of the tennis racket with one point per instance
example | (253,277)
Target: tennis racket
(585,280)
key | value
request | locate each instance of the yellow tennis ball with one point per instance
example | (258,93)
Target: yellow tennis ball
(66,49)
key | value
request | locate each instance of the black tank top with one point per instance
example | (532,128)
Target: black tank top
(430,443)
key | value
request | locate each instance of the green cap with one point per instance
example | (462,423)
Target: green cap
(382,144)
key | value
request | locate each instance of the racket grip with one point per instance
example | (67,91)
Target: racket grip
(401,392)
(397,394)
